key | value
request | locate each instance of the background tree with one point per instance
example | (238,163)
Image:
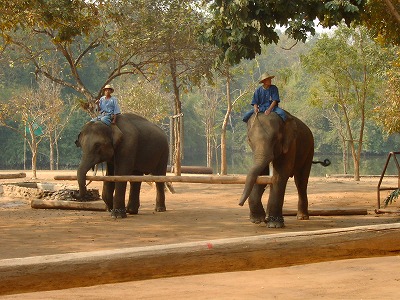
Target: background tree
(382,17)
(207,108)
(174,40)
(347,67)
(27,113)
(144,98)
(240,28)
(59,111)
(77,33)
(388,110)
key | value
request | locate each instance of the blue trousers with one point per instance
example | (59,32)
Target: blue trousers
(279,111)
(105,118)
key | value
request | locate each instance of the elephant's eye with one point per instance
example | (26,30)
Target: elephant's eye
(96,145)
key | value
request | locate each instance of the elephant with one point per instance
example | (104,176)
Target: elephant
(289,145)
(133,146)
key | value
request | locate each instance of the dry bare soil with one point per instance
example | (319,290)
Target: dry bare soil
(197,212)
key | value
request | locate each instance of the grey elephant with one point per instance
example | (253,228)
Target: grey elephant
(289,145)
(134,146)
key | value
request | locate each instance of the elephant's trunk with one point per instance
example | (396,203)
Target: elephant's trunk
(251,179)
(81,176)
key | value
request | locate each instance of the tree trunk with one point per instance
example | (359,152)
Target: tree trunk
(51,151)
(178,122)
(34,159)
(224,167)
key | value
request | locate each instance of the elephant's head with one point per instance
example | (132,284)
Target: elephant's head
(98,142)
(269,137)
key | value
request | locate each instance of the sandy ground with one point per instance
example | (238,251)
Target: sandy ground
(199,212)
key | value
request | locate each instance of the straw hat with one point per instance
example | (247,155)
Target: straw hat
(265,76)
(109,86)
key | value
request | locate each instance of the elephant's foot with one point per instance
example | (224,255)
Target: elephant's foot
(302,216)
(257,219)
(132,211)
(118,213)
(275,222)
(160,209)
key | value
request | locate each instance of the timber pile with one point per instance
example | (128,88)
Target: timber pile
(66,199)
(69,195)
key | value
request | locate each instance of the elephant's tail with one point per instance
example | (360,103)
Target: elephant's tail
(324,163)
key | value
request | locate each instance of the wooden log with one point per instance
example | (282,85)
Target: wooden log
(70,205)
(12,176)
(328,212)
(62,271)
(387,211)
(194,169)
(240,179)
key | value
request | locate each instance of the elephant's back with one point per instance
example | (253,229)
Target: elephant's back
(302,128)
(132,124)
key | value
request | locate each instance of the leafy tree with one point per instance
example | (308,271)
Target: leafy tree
(388,112)
(144,98)
(72,33)
(207,108)
(382,17)
(27,114)
(239,28)
(346,69)
(184,61)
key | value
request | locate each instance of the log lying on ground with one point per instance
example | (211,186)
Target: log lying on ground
(12,176)
(62,271)
(329,212)
(387,211)
(240,179)
(72,205)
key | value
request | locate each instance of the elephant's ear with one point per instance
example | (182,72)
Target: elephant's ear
(289,133)
(116,135)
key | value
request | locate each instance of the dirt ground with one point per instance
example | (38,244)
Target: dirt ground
(199,212)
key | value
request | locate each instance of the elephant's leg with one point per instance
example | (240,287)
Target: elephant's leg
(134,201)
(275,204)
(257,212)
(108,193)
(160,198)
(108,188)
(119,210)
(301,181)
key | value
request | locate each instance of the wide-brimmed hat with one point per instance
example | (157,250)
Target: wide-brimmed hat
(109,86)
(265,76)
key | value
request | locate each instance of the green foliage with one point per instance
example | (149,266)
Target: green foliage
(239,28)
(387,111)
(144,98)
(392,197)
(381,19)
(65,18)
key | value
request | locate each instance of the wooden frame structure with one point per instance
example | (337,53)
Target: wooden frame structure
(379,189)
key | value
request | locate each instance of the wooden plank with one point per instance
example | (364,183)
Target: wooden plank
(12,176)
(41,273)
(213,179)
